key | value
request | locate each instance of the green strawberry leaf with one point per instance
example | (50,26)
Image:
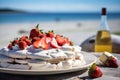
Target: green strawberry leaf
(93,65)
(92,68)
(37,26)
(41,31)
(51,31)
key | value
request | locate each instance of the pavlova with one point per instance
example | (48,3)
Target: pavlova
(41,51)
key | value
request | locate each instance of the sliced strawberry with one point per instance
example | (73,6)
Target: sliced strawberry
(54,44)
(48,39)
(111,62)
(10,46)
(60,40)
(35,32)
(94,71)
(36,44)
(41,43)
(22,45)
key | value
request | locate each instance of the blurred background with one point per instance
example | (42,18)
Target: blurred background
(76,19)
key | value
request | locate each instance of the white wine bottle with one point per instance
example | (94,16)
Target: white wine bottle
(103,38)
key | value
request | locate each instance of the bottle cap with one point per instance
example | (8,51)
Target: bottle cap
(103,11)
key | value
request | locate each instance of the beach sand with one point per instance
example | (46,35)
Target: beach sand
(77,31)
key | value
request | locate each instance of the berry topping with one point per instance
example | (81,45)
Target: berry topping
(35,32)
(41,43)
(60,40)
(22,45)
(10,46)
(50,34)
(35,39)
(40,39)
(23,38)
(28,42)
(16,41)
(54,43)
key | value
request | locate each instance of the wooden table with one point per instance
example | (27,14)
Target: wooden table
(108,74)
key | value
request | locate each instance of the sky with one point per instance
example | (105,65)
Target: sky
(61,5)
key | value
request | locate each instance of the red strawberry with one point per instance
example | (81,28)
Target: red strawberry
(35,39)
(28,42)
(54,44)
(42,35)
(50,34)
(111,62)
(41,43)
(15,42)
(36,44)
(10,46)
(67,41)
(23,38)
(94,71)
(35,32)
(22,45)
(60,40)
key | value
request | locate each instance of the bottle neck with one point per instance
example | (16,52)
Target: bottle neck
(104,25)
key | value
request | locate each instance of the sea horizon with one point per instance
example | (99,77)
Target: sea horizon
(48,17)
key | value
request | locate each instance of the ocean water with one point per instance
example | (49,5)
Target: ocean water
(42,17)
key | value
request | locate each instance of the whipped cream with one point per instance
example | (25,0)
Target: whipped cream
(4,58)
(67,64)
(17,53)
(4,51)
(58,54)
(30,52)
(75,48)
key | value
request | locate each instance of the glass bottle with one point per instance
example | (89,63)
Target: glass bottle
(103,38)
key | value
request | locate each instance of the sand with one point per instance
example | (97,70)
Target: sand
(77,31)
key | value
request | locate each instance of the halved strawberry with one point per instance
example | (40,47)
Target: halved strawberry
(54,44)
(94,71)
(35,32)
(36,44)
(22,45)
(10,46)
(60,40)
(48,39)
(111,62)
(41,43)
